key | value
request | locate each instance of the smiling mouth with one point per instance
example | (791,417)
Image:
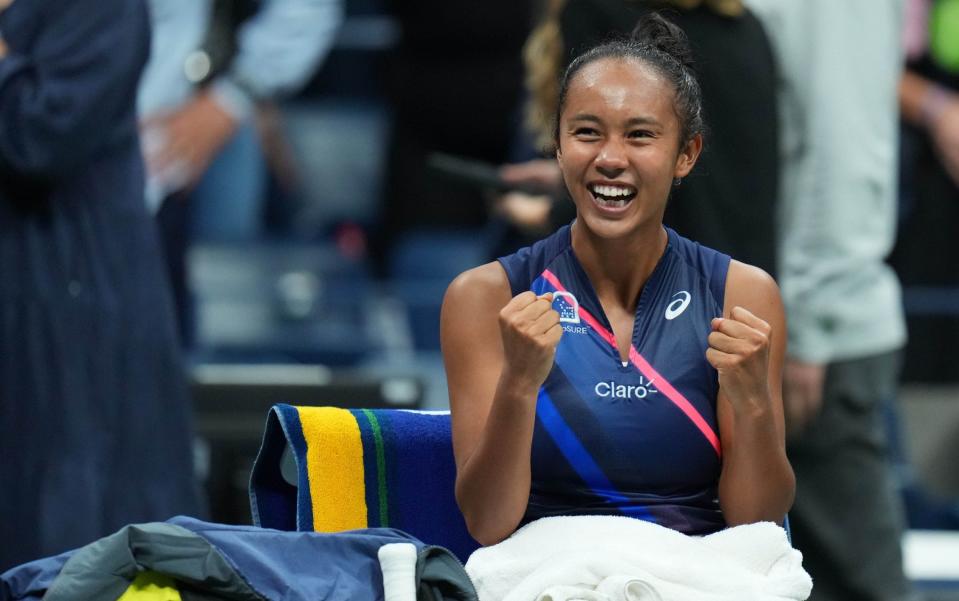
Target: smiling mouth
(610,196)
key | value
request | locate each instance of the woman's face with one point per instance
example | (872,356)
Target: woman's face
(619,146)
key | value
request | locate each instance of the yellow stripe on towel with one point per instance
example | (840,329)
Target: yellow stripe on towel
(334,459)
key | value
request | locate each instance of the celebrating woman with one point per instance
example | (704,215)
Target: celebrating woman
(616,367)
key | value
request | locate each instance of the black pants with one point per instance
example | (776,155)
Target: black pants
(848,518)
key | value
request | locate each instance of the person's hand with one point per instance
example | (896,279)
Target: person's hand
(526,211)
(530,330)
(4,50)
(944,129)
(191,137)
(540,173)
(739,350)
(802,393)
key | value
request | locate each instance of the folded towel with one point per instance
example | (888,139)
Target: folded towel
(617,558)
(612,588)
(360,469)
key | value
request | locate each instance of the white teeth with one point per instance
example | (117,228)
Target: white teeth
(611,203)
(613,197)
(612,191)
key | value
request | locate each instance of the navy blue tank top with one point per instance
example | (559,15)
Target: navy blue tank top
(639,439)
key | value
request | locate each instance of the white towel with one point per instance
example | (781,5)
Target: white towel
(612,588)
(613,558)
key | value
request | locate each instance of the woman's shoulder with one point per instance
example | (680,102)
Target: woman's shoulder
(731,282)
(751,287)
(479,289)
(488,277)
(744,274)
(495,283)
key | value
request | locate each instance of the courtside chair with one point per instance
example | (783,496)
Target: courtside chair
(330,469)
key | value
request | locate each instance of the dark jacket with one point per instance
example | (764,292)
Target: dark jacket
(215,561)
(94,417)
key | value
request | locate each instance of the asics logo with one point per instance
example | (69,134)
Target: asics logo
(678,305)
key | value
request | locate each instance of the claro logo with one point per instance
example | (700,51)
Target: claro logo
(625,391)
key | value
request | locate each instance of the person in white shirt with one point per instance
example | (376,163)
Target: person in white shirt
(840,64)
(206,171)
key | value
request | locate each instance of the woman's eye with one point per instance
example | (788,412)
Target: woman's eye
(641,133)
(585,132)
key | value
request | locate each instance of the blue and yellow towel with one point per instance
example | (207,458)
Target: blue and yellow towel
(360,469)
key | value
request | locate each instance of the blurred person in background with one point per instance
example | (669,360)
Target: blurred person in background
(729,202)
(454,82)
(212,62)
(929,98)
(95,425)
(929,102)
(929,92)
(840,64)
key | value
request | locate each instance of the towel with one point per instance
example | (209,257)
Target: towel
(360,468)
(611,588)
(618,558)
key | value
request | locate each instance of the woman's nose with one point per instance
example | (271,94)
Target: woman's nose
(611,160)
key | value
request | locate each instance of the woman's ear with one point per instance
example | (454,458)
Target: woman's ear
(688,155)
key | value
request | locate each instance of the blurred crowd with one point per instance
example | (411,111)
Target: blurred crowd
(264,182)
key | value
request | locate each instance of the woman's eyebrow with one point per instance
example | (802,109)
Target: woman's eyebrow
(586,117)
(632,121)
(644,120)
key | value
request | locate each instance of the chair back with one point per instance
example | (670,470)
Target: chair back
(359,468)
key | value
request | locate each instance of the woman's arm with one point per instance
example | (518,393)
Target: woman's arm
(747,347)
(497,352)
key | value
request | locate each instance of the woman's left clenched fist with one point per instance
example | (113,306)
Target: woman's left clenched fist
(739,350)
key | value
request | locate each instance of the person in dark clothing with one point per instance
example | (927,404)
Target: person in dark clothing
(453,84)
(95,424)
(929,104)
(729,202)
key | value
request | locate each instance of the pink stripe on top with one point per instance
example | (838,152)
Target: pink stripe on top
(650,373)
(663,385)
(583,313)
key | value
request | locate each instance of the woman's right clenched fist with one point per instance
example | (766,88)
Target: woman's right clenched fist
(530,330)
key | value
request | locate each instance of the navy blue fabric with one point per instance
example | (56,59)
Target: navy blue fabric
(290,418)
(273,500)
(29,581)
(95,430)
(298,566)
(303,565)
(607,439)
(421,477)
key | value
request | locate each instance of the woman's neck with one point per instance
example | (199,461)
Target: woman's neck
(618,269)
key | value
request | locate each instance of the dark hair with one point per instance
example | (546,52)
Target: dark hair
(663,46)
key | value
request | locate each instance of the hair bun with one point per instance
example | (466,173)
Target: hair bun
(662,34)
